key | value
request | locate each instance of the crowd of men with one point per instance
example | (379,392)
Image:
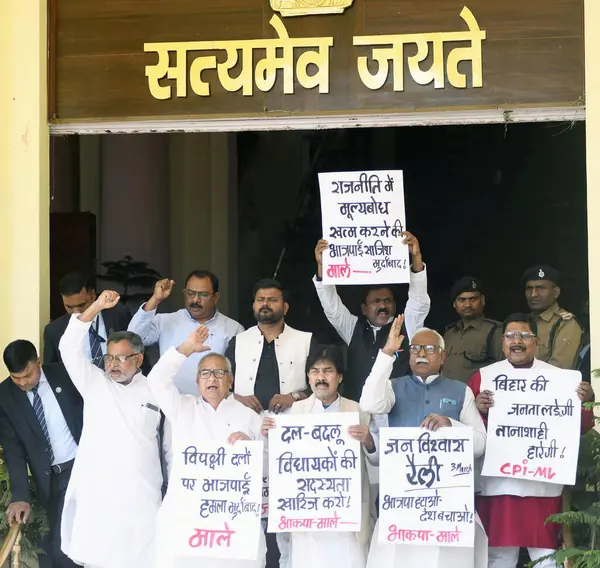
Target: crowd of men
(93,424)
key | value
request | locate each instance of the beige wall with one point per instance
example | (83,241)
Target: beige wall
(24,186)
(592,86)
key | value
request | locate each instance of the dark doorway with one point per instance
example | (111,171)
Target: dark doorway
(486,200)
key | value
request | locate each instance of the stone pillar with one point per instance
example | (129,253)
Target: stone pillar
(203,189)
(592,102)
(24,166)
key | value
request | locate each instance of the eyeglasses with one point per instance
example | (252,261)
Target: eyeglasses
(120,358)
(416,349)
(192,294)
(218,373)
(524,335)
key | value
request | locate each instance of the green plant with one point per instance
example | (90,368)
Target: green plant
(130,273)
(36,526)
(584,514)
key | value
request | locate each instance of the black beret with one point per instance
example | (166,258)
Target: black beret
(541,272)
(466,284)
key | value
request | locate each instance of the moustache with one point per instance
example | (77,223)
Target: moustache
(195,305)
(422,360)
(383,311)
(319,383)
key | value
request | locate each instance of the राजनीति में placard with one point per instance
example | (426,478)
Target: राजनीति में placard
(363,218)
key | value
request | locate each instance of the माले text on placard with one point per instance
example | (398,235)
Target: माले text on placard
(314,473)
(363,220)
(426,487)
(215,492)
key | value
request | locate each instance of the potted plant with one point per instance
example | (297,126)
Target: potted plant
(129,273)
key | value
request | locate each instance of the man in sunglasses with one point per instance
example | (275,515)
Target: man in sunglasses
(428,399)
(514,511)
(201,295)
(114,492)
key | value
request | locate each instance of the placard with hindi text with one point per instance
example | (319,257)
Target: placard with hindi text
(426,487)
(217,490)
(363,217)
(534,426)
(314,473)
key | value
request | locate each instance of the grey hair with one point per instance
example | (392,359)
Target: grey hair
(441,341)
(222,357)
(134,339)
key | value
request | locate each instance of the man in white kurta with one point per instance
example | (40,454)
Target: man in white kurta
(115,488)
(408,401)
(338,549)
(214,415)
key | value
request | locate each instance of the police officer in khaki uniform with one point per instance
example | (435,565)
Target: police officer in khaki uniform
(559,333)
(474,341)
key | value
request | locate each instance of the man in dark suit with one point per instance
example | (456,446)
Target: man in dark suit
(41,417)
(78,294)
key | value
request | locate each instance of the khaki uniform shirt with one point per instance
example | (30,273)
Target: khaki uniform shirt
(560,336)
(471,346)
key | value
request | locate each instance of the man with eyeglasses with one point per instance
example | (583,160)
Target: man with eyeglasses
(366,335)
(115,489)
(514,511)
(473,341)
(201,295)
(212,415)
(429,399)
(559,333)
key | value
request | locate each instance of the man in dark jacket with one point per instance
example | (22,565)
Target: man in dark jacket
(41,417)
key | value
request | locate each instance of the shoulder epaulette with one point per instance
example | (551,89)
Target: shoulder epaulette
(450,326)
(496,323)
(564,315)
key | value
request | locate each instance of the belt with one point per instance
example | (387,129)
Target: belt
(62,467)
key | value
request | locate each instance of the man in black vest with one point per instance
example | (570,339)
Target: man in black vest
(366,335)
(41,416)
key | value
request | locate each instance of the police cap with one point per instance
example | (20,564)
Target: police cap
(542,272)
(466,284)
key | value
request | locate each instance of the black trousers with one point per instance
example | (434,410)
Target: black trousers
(55,557)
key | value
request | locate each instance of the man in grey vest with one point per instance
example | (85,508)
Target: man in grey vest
(430,400)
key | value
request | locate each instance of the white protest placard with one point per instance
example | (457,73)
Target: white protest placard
(314,473)
(217,490)
(265,488)
(534,425)
(363,217)
(426,487)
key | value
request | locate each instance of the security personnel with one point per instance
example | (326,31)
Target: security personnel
(559,333)
(474,341)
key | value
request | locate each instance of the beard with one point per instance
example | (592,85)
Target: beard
(267,315)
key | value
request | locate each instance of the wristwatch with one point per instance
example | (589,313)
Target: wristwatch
(295,395)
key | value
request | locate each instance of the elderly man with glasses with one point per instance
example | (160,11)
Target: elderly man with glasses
(428,399)
(514,511)
(201,295)
(213,415)
(114,492)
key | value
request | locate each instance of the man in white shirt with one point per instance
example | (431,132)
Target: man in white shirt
(427,399)
(341,549)
(366,335)
(115,488)
(201,293)
(214,415)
